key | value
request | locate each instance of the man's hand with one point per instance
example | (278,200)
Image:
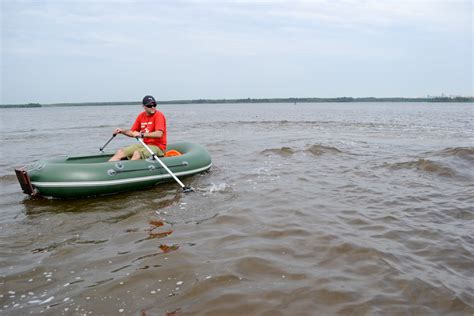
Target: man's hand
(126,132)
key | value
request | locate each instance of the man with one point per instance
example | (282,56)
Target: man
(149,125)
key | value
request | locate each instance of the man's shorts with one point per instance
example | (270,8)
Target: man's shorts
(144,153)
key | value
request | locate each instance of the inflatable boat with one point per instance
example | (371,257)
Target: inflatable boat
(82,176)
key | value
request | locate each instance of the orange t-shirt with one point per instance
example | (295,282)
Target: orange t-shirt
(152,123)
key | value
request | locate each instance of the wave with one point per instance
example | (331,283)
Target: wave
(466,153)
(31,130)
(424,165)
(316,150)
(301,123)
(319,150)
(283,122)
(8,178)
(283,151)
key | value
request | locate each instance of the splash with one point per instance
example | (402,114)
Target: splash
(214,188)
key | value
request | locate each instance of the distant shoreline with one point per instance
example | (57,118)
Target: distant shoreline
(251,100)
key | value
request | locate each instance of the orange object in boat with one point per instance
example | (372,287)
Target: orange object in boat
(172,153)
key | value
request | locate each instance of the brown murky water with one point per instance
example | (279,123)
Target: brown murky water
(309,209)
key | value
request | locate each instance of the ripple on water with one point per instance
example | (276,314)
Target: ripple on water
(424,165)
(466,153)
(283,151)
(337,209)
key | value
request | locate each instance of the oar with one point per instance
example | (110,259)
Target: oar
(186,189)
(102,148)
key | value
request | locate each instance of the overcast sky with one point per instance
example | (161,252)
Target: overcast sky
(74,51)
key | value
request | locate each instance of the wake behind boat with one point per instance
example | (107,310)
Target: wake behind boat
(82,176)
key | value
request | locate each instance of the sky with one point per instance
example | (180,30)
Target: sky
(104,51)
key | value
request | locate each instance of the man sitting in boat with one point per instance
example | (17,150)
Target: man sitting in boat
(149,125)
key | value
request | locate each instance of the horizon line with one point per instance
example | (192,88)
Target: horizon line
(266,100)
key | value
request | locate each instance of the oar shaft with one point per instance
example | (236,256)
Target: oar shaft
(161,162)
(102,148)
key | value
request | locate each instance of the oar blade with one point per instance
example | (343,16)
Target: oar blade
(187,189)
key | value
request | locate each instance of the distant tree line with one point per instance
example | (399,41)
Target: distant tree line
(250,100)
(28,105)
(319,100)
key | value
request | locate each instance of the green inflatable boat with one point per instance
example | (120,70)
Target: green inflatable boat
(82,176)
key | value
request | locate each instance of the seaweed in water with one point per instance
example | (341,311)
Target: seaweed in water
(167,249)
(156,224)
(158,235)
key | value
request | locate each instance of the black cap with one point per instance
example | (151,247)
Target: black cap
(149,100)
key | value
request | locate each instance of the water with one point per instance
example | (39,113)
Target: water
(309,209)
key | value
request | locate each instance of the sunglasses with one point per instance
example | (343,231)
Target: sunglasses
(149,105)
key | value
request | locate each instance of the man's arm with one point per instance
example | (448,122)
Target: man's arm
(132,132)
(155,134)
(127,132)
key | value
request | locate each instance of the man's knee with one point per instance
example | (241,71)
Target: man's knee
(136,155)
(120,152)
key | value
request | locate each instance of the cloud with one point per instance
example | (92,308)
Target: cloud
(246,38)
